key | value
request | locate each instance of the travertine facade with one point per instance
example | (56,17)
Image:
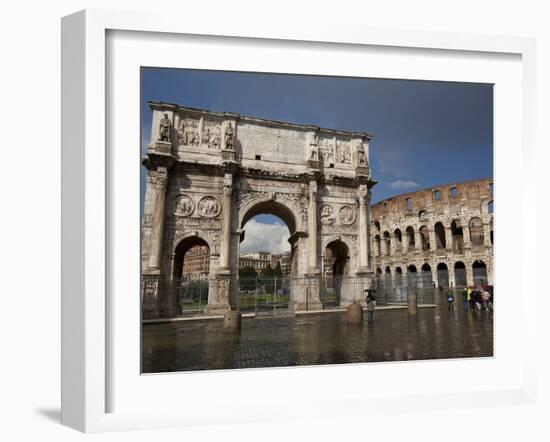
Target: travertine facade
(444,234)
(210,172)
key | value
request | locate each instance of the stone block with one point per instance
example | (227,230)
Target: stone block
(354,313)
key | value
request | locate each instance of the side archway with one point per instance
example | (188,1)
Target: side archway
(182,245)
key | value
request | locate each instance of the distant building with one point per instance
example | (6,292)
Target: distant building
(284,260)
(257,260)
(196,262)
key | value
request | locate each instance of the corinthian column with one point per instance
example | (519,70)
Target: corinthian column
(364,198)
(312,228)
(156,188)
(225,242)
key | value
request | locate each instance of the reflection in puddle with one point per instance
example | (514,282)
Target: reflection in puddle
(322,339)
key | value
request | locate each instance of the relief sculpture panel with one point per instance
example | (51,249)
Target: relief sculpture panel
(184,206)
(343,152)
(346,215)
(326,149)
(326,215)
(209,207)
(188,133)
(211,137)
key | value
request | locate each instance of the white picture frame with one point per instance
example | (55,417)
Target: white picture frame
(87,207)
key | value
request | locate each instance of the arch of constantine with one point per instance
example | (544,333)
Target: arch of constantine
(210,172)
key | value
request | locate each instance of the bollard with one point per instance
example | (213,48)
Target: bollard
(411,303)
(354,314)
(232,321)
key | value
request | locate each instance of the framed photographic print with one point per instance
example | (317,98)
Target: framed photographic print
(250,215)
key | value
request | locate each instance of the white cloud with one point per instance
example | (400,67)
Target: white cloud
(402,184)
(265,237)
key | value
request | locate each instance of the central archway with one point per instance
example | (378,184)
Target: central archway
(270,207)
(271,287)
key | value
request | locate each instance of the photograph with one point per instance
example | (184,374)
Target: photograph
(297,220)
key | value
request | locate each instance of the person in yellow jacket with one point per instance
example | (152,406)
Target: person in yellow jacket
(470,301)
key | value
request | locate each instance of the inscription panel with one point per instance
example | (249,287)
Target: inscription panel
(273,144)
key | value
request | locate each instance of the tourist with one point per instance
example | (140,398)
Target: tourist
(470,298)
(451,300)
(465,299)
(477,299)
(485,299)
(371,305)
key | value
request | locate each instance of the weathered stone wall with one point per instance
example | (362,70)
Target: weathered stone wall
(435,216)
(210,172)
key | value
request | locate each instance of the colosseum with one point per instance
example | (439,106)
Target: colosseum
(437,237)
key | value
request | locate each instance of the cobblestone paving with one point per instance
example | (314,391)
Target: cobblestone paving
(433,333)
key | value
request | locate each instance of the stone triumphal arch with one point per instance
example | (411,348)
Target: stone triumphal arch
(210,172)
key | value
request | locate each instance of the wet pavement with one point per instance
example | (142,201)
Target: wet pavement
(434,333)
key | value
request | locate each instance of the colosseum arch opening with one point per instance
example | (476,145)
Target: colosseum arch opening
(398,276)
(424,238)
(460,274)
(412,276)
(440,241)
(479,271)
(411,241)
(398,240)
(442,275)
(427,277)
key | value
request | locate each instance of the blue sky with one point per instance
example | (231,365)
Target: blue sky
(425,133)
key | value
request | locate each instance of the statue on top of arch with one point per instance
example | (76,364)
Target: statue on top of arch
(229,136)
(164,128)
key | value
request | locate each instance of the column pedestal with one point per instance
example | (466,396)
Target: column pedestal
(219,302)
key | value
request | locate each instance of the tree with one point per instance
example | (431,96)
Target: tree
(248,277)
(267,272)
(278,273)
(267,278)
(247,272)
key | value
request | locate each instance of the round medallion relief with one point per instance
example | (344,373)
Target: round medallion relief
(326,214)
(209,207)
(346,215)
(185,206)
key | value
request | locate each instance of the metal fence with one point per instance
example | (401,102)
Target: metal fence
(165,298)
(263,294)
(396,289)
